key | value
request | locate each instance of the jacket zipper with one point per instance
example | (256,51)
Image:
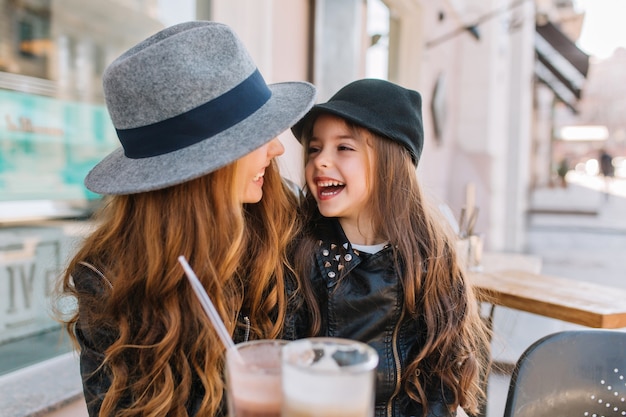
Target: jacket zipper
(396,358)
(247,333)
(97,271)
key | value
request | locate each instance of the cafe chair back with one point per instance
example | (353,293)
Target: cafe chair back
(570,373)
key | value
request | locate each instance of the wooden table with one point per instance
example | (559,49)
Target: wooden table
(525,289)
(578,302)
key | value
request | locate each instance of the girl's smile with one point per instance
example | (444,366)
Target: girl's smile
(327,187)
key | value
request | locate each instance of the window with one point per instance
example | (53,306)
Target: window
(377,56)
(50,137)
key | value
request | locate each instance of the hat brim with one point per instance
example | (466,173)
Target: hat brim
(118,174)
(346,110)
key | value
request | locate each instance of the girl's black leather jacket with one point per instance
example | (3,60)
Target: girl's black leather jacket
(366,304)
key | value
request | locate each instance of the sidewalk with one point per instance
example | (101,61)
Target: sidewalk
(583,204)
(579,246)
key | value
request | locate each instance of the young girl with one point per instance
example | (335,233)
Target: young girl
(384,268)
(196,177)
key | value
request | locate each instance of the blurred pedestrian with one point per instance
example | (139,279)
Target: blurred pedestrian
(562,171)
(195,176)
(607,170)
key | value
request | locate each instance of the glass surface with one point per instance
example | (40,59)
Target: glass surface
(377,54)
(47,146)
(254,379)
(54,126)
(328,377)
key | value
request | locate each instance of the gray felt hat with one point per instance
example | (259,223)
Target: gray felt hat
(185,102)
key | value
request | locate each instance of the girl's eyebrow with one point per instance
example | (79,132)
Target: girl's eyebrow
(339,137)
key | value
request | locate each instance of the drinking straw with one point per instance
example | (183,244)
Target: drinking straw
(472,222)
(208,307)
(445,209)
(462,230)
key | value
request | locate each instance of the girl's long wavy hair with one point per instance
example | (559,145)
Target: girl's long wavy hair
(455,351)
(163,337)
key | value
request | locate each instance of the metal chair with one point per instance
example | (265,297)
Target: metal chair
(578,373)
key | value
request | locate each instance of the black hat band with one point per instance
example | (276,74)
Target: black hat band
(197,124)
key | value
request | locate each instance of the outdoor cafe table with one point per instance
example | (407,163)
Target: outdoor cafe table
(573,301)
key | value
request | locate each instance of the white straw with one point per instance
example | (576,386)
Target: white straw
(445,209)
(208,306)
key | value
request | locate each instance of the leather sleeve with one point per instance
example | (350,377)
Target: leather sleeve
(439,409)
(95,380)
(92,339)
(436,408)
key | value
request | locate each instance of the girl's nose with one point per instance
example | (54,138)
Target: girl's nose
(322,160)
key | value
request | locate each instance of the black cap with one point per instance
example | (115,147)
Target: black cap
(380,106)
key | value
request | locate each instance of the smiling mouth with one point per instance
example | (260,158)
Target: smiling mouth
(329,188)
(258,176)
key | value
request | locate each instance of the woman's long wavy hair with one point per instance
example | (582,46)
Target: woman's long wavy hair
(164,342)
(455,351)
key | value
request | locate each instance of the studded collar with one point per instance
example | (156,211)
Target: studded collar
(335,255)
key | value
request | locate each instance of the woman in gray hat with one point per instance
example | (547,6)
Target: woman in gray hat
(198,127)
(382,266)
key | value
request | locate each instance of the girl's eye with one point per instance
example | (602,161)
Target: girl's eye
(345,148)
(313,149)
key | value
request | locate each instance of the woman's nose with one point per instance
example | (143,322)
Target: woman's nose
(275,148)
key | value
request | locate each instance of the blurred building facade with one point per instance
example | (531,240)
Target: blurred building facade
(598,112)
(604,99)
(604,104)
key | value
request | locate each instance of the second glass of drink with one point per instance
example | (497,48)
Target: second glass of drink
(328,377)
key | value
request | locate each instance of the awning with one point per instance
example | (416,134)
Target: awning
(560,64)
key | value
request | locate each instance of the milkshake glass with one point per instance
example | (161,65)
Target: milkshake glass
(253,379)
(328,377)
